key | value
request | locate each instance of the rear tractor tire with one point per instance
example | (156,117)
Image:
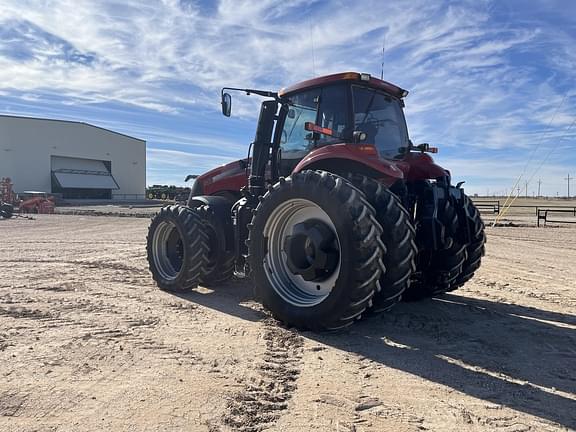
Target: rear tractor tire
(398,237)
(315,251)
(437,271)
(475,249)
(178,248)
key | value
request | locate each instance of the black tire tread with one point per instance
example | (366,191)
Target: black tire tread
(368,247)
(439,274)
(475,250)
(223,269)
(398,237)
(195,243)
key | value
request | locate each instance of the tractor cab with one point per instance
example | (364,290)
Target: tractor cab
(348,121)
(347,108)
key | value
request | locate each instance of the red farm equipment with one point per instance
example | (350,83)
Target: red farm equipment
(7,198)
(336,213)
(36,202)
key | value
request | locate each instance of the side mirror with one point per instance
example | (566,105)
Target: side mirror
(226,104)
(358,137)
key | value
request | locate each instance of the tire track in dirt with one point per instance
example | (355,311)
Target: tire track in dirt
(265,397)
(131,334)
(83,263)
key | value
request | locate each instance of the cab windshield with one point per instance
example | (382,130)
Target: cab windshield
(380,117)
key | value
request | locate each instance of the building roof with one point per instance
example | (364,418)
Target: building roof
(71,122)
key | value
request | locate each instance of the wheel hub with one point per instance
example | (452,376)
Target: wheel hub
(310,251)
(303,258)
(168,250)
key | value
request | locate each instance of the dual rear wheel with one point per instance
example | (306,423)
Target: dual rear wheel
(325,250)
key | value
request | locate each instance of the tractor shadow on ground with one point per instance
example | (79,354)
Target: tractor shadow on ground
(233,298)
(516,356)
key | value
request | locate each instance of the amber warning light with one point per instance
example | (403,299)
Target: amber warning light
(309,126)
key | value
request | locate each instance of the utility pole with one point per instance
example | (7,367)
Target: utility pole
(526,189)
(569,179)
(539,183)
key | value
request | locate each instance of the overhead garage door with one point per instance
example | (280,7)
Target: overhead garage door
(79,178)
(70,179)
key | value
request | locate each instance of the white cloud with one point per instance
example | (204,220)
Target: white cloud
(477,83)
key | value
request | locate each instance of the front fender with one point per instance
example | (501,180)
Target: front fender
(343,158)
(221,208)
(420,166)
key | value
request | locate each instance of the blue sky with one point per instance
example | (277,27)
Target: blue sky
(492,83)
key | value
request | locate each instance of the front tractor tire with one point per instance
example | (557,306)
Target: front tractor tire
(219,267)
(178,248)
(315,251)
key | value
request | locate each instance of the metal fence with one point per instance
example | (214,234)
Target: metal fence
(128,197)
(488,206)
(542,215)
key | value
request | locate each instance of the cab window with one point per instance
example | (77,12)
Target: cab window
(296,141)
(333,114)
(380,117)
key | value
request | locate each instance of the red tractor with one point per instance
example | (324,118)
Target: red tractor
(335,213)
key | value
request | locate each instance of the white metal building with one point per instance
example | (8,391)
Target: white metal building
(74,159)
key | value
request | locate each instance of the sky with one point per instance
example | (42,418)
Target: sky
(492,83)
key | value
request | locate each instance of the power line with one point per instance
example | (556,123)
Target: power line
(552,150)
(530,160)
(544,133)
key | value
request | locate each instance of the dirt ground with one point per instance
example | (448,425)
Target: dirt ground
(88,343)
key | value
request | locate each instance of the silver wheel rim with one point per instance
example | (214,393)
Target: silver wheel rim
(165,243)
(293,288)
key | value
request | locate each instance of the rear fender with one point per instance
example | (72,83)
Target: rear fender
(345,158)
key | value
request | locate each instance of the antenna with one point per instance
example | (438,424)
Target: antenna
(312,43)
(383,51)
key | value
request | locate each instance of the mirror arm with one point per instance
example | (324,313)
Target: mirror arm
(264,93)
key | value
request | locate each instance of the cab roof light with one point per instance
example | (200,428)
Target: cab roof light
(364,77)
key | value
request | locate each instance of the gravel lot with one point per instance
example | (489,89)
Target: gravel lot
(87,343)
